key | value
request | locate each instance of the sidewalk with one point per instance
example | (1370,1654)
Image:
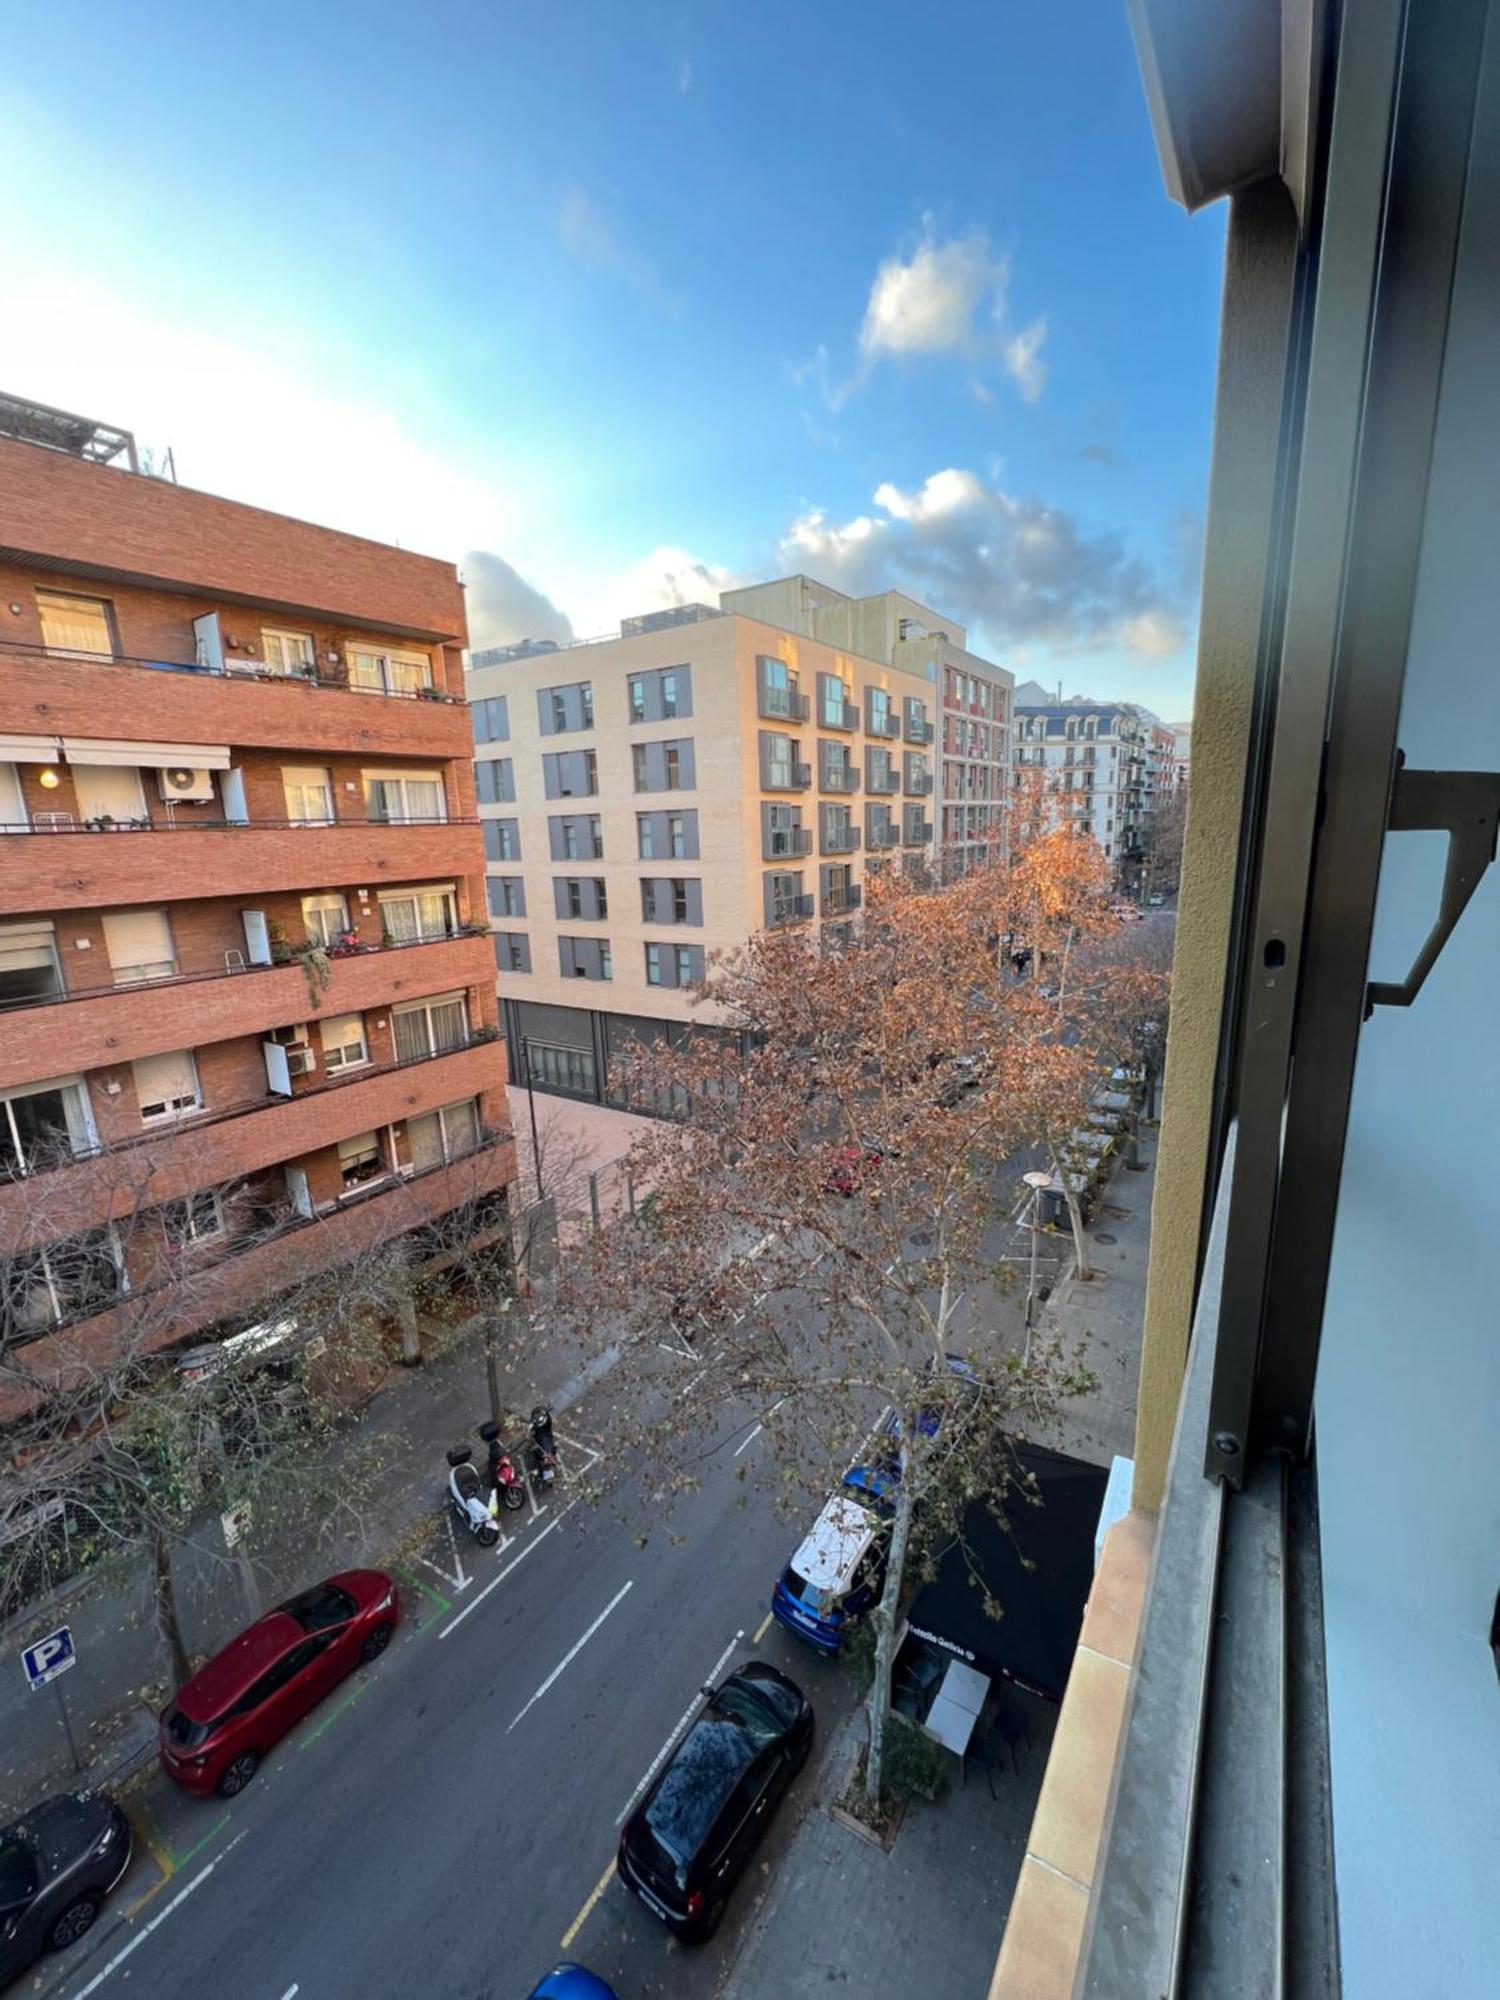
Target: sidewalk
(928,1916)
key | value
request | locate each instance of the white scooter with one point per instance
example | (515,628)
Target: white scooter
(467,1497)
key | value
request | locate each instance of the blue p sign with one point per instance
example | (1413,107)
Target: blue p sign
(49,1657)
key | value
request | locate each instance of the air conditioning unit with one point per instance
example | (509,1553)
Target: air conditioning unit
(300,1061)
(178,781)
(292,1037)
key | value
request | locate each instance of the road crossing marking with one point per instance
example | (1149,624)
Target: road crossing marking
(569,1657)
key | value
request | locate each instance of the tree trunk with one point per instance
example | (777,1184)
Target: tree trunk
(885,1628)
(491,1369)
(411,1338)
(164,1610)
(1075,1217)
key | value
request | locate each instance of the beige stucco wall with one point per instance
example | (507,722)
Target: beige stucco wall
(1252,353)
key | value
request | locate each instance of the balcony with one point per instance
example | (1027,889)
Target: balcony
(801,776)
(889,729)
(882,835)
(840,778)
(783,705)
(225,1145)
(917,833)
(792,910)
(300,1249)
(82,1030)
(919,732)
(920,786)
(885,785)
(240,705)
(841,840)
(785,844)
(74,867)
(841,902)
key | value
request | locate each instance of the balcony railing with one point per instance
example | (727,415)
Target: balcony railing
(917,833)
(839,902)
(786,843)
(840,778)
(919,786)
(890,728)
(840,839)
(888,835)
(312,675)
(784,705)
(887,784)
(106,823)
(792,910)
(802,776)
(919,732)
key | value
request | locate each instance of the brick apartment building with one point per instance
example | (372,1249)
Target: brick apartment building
(247,1007)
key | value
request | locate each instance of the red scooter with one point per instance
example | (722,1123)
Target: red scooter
(507,1482)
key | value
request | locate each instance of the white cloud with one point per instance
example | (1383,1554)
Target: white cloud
(1023,362)
(1019,571)
(660,581)
(927,304)
(594,240)
(503,607)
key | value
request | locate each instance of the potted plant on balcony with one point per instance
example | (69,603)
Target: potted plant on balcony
(280,943)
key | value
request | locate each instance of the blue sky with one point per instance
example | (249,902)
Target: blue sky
(615,302)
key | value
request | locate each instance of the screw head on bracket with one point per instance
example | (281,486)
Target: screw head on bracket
(1226,1444)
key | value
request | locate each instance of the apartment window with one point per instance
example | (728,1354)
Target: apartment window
(669,695)
(662,836)
(344,1044)
(584,958)
(43,1124)
(139,946)
(783,893)
(167,1087)
(415,916)
(449,1133)
(880,772)
(584,897)
(783,824)
(833,701)
(430,1027)
(495,781)
(562,709)
(689,963)
(29,968)
(655,957)
(502,839)
(405,795)
(72,1280)
(388,672)
(83,625)
(661,694)
(490,716)
(663,767)
(14,817)
(325,919)
(877,711)
(674,964)
(671,900)
(569,774)
(778,686)
(360,1159)
(308,791)
(288,653)
(637,697)
(776,760)
(198,1218)
(512,951)
(575,837)
(507,894)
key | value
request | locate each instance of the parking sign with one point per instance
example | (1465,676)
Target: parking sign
(49,1657)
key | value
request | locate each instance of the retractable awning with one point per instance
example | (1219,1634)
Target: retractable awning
(29,749)
(1035,1638)
(146,756)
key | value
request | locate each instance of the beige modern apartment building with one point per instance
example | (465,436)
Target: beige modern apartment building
(652,798)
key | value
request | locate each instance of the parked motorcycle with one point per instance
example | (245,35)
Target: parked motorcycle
(510,1488)
(466,1496)
(541,1455)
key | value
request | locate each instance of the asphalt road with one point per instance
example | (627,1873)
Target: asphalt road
(444,1820)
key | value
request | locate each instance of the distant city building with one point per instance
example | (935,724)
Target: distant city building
(649,799)
(1102,767)
(1182,753)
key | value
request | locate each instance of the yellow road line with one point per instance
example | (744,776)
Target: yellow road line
(159,1854)
(588,1909)
(762,1629)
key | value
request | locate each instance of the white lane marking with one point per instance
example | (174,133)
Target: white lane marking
(682,1722)
(474,1603)
(160,1918)
(572,1654)
(690,1385)
(749,1440)
(458,1579)
(590,1456)
(291,1992)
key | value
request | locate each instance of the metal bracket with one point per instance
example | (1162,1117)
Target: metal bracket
(1466,806)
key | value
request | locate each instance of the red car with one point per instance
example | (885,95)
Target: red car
(241,1703)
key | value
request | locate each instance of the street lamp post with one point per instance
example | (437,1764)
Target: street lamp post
(1036,1181)
(536,1150)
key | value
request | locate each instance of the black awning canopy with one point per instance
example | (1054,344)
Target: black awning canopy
(1034,1639)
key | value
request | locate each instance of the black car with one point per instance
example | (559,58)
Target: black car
(690,1838)
(57,1864)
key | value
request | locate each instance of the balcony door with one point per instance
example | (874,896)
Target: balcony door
(430,1027)
(109,794)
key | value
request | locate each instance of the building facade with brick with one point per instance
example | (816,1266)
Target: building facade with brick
(247,1012)
(653,798)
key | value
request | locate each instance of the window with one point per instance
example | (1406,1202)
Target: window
(783,898)
(680,905)
(388,673)
(308,791)
(571,1070)
(673,964)
(412,916)
(669,694)
(637,698)
(446,1134)
(82,625)
(139,945)
(561,709)
(584,958)
(569,774)
(586,897)
(196,1219)
(109,794)
(288,653)
(495,781)
(44,1288)
(490,716)
(781,829)
(344,1046)
(29,968)
(660,695)
(777,686)
(360,1159)
(166,1086)
(14,817)
(325,919)
(512,951)
(639,767)
(582,838)
(677,834)
(430,1027)
(43,1125)
(405,795)
(833,696)
(672,760)
(778,760)
(663,767)
(507,894)
(689,958)
(502,839)
(654,964)
(878,711)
